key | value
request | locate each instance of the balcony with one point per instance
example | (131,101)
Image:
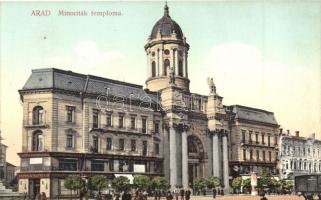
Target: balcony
(42,125)
(36,168)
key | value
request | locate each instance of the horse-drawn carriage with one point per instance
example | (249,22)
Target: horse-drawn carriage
(308,186)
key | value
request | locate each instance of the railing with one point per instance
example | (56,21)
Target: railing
(36,168)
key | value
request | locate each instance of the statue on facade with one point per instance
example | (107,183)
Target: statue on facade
(211,85)
(171,76)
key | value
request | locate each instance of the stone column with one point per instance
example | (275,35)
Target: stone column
(184,160)
(157,63)
(173,164)
(225,163)
(186,67)
(161,63)
(176,62)
(216,155)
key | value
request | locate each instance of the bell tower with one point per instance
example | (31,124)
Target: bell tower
(166,50)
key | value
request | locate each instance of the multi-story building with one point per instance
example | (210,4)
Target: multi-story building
(254,136)
(299,155)
(87,125)
(83,124)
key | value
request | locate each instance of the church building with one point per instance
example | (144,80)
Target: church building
(87,125)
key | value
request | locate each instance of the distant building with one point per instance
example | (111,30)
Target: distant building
(299,155)
(3,160)
(253,140)
(10,172)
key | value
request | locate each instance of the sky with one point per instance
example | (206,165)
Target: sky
(261,53)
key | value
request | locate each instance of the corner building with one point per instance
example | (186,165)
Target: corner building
(87,125)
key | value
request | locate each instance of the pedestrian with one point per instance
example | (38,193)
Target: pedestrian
(160,194)
(169,196)
(214,193)
(145,195)
(187,195)
(263,197)
(182,193)
(176,193)
(155,194)
(117,196)
(43,196)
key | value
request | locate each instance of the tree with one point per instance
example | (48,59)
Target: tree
(74,183)
(121,183)
(199,184)
(213,182)
(98,183)
(237,183)
(264,180)
(141,182)
(159,183)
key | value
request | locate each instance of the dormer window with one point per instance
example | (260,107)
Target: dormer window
(37,115)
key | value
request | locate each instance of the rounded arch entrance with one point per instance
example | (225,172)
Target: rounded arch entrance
(195,157)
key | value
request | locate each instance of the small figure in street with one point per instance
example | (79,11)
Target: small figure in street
(214,193)
(176,193)
(182,193)
(222,192)
(263,197)
(159,194)
(187,195)
(169,196)
(43,196)
(155,194)
(145,195)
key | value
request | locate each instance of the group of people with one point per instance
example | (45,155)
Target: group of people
(178,194)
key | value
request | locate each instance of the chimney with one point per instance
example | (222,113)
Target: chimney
(297,133)
(281,131)
(288,132)
(313,135)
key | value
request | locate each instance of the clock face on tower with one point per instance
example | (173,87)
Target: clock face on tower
(166,52)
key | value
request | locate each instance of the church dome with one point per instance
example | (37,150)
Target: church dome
(166,26)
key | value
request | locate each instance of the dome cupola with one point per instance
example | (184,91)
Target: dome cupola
(166,26)
(167,52)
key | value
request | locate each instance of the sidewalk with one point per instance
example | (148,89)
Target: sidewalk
(245,197)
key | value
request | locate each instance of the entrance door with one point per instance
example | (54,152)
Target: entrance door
(34,187)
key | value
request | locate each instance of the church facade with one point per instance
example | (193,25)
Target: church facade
(82,124)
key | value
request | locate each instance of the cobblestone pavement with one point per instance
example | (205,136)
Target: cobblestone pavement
(246,197)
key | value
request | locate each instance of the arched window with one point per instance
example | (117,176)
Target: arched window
(180,68)
(153,69)
(37,141)
(37,115)
(166,67)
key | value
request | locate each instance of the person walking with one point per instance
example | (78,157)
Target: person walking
(182,193)
(187,195)
(169,196)
(263,197)
(214,193)
(176,193)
